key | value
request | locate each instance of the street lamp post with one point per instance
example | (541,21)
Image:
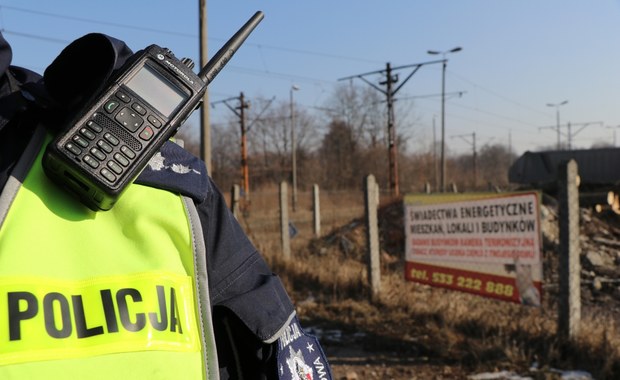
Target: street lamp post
(557,117)
(293,148)
(443,111)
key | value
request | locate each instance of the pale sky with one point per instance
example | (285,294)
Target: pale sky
(517,56)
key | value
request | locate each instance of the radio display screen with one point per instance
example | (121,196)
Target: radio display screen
(157,90)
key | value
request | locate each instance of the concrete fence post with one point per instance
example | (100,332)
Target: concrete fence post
(569,314)
(316,210)
(234,201)
(284,229)
(371,196)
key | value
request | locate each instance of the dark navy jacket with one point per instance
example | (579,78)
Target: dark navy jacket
(249,303)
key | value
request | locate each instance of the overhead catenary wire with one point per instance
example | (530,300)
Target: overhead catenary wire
(239,69)
(500,96)
(182,34)
(488,113)
(34,36)
(263,48)
(100,22)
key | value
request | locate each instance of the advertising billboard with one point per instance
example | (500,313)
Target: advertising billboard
(486,244)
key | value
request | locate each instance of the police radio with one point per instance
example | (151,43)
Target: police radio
(107,145)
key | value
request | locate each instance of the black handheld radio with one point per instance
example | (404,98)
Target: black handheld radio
(107,145)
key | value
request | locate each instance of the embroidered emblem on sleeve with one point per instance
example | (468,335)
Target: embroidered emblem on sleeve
(156,163)
(300,356)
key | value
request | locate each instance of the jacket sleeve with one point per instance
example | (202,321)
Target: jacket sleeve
(250,305)
(256,330)
(240,280)
(258,335)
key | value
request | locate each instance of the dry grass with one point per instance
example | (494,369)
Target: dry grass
(327,279)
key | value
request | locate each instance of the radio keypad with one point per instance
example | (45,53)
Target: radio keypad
(99,144)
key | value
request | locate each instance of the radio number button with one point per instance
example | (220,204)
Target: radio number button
(97,153)
(129,119)
(73,149)
(91,162)
(104,146)
(94,126)
(127,151)
(87,133)
(121,159)
(111,138)
(116,168)
(81,141)
(108,175)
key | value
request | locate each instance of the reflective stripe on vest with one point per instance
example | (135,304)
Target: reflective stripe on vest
(100,295)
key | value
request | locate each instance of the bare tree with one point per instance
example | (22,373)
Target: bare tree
(340,157)
(494,162)
(270,142)
(190,139)
(360,107)
(225,153)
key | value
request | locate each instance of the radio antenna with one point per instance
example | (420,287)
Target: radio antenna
(221,58)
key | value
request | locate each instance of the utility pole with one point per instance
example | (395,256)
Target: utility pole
(557,118)
(472,142)
(293,148)
(443,110)
(244,147)
(205,127)
(435,171)
(392,148)
(239,111)
(389,92)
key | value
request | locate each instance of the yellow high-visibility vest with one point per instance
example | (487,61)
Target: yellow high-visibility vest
(120,294)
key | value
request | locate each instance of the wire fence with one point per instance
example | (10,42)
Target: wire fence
(260,216)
